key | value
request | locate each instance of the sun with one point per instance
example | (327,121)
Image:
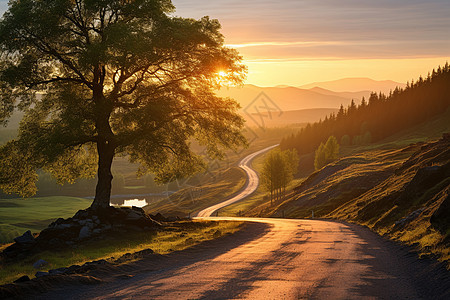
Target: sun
(222,73)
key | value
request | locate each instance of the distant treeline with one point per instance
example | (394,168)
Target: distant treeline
(380,116)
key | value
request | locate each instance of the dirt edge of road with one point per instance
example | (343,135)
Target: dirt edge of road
(107,272)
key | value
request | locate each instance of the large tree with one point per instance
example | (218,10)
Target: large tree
(100,78)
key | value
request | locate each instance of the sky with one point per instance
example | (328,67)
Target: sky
(295,42)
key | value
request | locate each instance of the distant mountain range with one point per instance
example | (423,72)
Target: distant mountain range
(290,98)
(291,117)
(356,84)
(305,104)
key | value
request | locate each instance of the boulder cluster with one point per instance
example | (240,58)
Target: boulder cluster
(84,225)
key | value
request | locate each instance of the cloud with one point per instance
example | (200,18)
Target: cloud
(263,44)
(349,28)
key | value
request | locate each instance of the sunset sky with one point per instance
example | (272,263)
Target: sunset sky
(295,42)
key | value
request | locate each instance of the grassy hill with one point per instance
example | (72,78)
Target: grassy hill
(398,187)
(35,214)
(402,192)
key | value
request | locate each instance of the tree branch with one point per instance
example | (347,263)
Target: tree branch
(56,79)
(47,49)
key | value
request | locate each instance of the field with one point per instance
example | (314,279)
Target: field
(20,215)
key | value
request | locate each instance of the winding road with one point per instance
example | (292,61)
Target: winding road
(250,187)
(273,259)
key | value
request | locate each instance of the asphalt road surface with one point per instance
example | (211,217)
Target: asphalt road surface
(250,187)
(276,259)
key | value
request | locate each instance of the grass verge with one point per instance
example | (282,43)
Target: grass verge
(178,236)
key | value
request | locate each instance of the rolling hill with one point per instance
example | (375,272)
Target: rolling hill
(291,117)
(289,98)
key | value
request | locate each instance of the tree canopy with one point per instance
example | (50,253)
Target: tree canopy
(102,78)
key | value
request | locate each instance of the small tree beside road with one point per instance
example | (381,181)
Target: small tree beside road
(278,171)
(326,153)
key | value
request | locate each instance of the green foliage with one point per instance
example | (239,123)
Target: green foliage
(278,170)
(332,148)
(116,77)
(326,153)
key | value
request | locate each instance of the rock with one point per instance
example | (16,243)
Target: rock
(134,216)
(96,219)
(26,238)
(57,271)
(72,269)
(57,243)
(90,224)
(81,214)
(24,278)
(57,222)
(408,218)
(97,231)
(41,274)
(39,264)
(63,226)
(85,232)
(133,256)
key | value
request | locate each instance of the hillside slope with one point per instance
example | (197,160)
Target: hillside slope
(404,193)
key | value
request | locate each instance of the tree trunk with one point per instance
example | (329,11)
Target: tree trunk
(105,148)
(103,189)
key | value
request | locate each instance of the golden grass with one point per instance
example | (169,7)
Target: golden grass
(177,238)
